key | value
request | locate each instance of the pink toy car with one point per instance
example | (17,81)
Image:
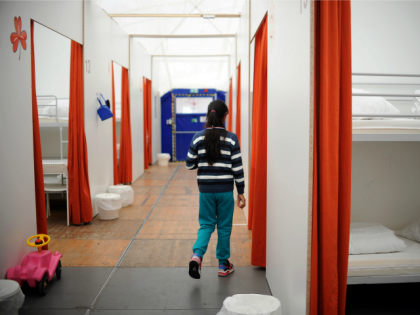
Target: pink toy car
(38,267)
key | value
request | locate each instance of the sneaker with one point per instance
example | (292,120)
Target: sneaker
(195,266)
(225,269)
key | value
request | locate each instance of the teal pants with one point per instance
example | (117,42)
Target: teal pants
(215,209)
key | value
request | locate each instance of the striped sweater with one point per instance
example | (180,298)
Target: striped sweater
(220,176)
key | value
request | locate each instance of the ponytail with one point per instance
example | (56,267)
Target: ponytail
(215,114)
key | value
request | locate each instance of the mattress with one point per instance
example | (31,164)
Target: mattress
(55,166)
(398,125)
(51,120)
(406,262)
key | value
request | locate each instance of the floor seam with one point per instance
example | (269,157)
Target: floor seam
(128,247)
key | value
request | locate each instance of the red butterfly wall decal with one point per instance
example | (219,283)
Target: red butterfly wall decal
(19,36)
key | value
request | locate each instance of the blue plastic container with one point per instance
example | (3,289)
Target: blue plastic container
(104,111)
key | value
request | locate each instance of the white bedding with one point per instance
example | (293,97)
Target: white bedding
(371,105)
(397,125)
(406,262)
(54,166)
(47,115)
(51,120)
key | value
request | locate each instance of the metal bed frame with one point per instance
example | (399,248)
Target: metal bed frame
(58,167)
(58,124)
(390,136)
(386,137)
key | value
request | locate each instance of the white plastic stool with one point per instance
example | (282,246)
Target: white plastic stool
(163,159)
(11,297)
(109,206)
(126,193)
(246,304)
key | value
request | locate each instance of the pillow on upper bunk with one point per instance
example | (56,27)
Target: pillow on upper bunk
(63,108)
(371,105)
(412,232)
(372,238)
(417,92)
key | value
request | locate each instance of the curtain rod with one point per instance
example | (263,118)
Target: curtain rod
(200,15)
(182,36)
(387,75)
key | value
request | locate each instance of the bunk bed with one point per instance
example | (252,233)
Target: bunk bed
(396,267)
(400,126)
(54,113)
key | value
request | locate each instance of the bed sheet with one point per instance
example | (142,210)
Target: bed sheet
(406,262)
(54,166)
(51,120)
(397,125)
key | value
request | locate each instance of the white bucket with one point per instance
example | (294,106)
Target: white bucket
(163,159)
(126,193)
(11,297)
(109,206)
(250,304)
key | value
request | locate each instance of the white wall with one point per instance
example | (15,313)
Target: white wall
(117,91)
(258,10)
(52,62)
(140,66)
(288,129)
(233,75)
(156,113)
(382,36)
(385,175)
(64,17)
(101,35)
(243,39)
(17,215)
(385,183)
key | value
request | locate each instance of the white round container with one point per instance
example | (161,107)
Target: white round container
(163,159)
(11,297)
(251,304)
(126,193)
(109,206)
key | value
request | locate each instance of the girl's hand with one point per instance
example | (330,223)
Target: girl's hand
(241,201)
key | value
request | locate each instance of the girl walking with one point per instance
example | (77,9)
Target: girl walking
(217,155)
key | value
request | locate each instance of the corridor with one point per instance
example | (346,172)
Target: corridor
(137,264)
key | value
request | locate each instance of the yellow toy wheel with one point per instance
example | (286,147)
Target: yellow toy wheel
(44,237)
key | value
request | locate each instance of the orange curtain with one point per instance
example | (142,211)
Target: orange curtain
(238,105)
(230,127)
(147,116)
(41,214)
(149,94)
(332,157)
(80,204)
(125,169)
(114,131)
(257,218)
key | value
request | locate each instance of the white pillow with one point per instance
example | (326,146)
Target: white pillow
(417,98)
(371,105)
(372,238)
(63,108)
(412,232)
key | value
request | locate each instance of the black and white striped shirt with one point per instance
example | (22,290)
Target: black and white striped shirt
(220,176)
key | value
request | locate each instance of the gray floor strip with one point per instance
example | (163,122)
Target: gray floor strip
(128,246)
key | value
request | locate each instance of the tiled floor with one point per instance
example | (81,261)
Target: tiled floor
(166,238)
(155,234)
(152,279)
